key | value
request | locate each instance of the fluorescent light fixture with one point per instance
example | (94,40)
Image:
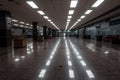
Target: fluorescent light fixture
(41,12)
(69,17)
(97,3)
(73,3)
(14,20)
(71,12)
(46,17)
(15,24)
(68,20)
(79,20)
(48,63)
(22,57)
(90,74)
(32,4)
(88,11)
(71,73)
(83,63)
(106,52)
(82,17)
(42,73)
(21,26)
(27,24)
(49,20)
(69,63)
(17,59)
(28,52)
(22,22)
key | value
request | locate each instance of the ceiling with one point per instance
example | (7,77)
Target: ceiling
(57,10)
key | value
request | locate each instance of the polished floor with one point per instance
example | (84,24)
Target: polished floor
(62,59)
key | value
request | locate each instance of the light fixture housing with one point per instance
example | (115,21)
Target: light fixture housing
(14,20)
(32,4)
(97,3)
(22,22)
(73,3)
(46,17)
(41,12)
(82,17)
(69,17)
(71,12)
(88,11)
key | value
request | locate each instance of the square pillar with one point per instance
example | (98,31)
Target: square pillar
(35,33)
(5,29)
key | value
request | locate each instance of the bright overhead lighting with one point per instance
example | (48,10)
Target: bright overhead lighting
(68,20)
(14,20)
(69,17)
(15,24)
(45,17)
(41,12)
(88,11)
(73,3)
(17,59)
(49,20)
(97,3)
(82,17)
(71,12)
(27,24)
(21,26)
(22,22)
(32,4)
(79,20)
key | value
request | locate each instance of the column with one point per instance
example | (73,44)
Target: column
(35,33)
(49,31)
(45,32)
(84,32)
(5,29)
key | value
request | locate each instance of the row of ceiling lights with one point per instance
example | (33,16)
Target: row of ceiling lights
(73,5)
(96,4)
(21,24)
(34,6)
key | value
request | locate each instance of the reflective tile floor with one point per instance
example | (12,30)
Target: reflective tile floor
(62,59)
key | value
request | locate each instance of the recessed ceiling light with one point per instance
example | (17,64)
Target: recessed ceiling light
(97,3)
(79,19)
(46,17)
(22,22)
(14,20)
(82,17)
(15,24)
(27,24)
(68,20)
(88,11)
(71,12)
(69,17)
(32,4)
(21,26)
(41,12)
(73,3)
(49,20)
